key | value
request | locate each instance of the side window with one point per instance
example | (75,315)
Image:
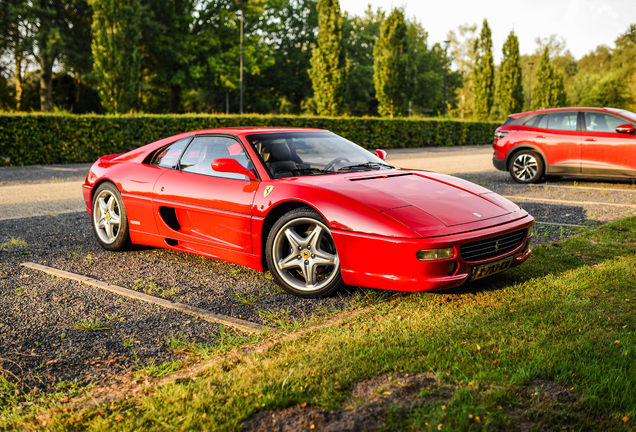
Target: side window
(599,122)
(540,121)
(204,150)
(563,121)
(169,156)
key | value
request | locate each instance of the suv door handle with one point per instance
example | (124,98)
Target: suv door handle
(590,140)
(539,136)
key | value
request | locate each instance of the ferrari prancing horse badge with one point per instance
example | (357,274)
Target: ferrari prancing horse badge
(268,190)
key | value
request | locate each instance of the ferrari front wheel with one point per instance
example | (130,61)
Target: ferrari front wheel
(110,222)
(301,254)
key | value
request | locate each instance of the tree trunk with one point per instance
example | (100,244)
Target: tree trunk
(46,83)
(18,82)
(175,101)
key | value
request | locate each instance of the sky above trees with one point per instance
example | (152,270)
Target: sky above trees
(584,24)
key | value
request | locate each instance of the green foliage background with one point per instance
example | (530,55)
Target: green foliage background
(393,76)
(484,74)
(329,64)
(28,139)
(510,88)
(550,90)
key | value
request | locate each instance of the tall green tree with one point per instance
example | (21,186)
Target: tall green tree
(117,60)
(427,69)
(510,87)
(359,35)
(16,40)
(328,61)
(291,37)
(483,74)
(58,32)
(393,76)
(550,89)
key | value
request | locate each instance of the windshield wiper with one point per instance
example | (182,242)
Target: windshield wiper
(367,165)
(312,170)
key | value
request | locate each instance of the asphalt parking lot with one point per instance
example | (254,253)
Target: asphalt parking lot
(54,331)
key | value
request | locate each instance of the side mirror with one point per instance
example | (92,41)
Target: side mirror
(232,166)
(626,128)
(381,154)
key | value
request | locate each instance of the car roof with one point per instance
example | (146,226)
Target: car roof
(246,130)
(544,110)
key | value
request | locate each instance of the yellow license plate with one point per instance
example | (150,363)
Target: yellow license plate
(492,268)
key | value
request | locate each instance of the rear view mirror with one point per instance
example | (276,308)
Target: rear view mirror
(626,128)
(381,154)
(229,165)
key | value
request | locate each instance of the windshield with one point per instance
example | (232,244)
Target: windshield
(628,114)
(292,154)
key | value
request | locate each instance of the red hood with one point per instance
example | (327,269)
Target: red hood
(420,200)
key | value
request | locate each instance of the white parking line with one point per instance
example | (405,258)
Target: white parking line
(560,224)
(590,188)
(245,326)
(513,198)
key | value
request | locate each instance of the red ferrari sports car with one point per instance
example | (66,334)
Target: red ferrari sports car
(586,142)
(310,206)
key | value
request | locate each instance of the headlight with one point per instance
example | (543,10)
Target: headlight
(530,230)
(435,254)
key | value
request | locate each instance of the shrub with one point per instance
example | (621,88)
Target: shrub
(28,139)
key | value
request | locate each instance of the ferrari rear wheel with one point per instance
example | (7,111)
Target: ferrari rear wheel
(110,222)
(301,254)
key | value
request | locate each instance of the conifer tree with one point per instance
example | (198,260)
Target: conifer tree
(484,74)
(328,61)
(550,89)
(117,60)
(510,88)
(392,76)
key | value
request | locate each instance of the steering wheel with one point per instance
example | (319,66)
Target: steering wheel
(334,162)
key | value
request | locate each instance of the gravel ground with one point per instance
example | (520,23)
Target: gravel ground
(39,345)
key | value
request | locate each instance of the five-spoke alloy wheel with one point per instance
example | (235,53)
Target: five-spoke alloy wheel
(301,254)
(110,223)
(526,167)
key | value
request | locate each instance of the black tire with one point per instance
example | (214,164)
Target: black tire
(526,166)
(292,236)
(110,235)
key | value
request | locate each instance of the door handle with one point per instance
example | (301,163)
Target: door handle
(540,136)
(590,140)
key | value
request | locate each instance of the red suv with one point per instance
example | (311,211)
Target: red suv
(585,142)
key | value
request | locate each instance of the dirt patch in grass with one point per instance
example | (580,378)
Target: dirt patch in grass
(365,409)
(552,391)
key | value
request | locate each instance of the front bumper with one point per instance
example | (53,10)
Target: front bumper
(374,261)
(499,164)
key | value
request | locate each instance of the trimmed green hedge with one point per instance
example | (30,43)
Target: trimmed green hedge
(28,139)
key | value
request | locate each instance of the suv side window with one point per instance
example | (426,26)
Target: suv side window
(169,156)
(600,122)
(204,150)
(563,121)
(540,121)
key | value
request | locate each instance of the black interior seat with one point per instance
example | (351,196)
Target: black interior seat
(280,160)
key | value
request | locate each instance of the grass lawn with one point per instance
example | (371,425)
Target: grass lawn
(550,345)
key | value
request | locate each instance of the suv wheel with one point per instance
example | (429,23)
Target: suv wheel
(526,166)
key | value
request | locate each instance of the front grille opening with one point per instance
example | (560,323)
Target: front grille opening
(483,249)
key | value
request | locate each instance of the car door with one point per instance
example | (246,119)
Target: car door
(605,151)
(557,135)
(137,186)
(197,204)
